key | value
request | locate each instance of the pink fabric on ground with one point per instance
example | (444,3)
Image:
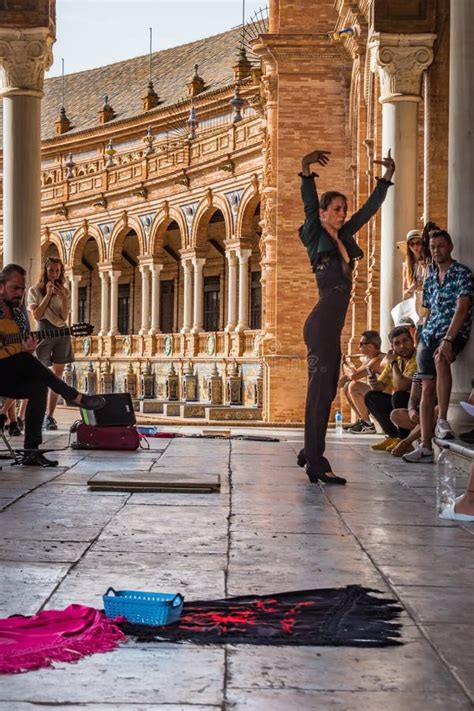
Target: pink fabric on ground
(35,642)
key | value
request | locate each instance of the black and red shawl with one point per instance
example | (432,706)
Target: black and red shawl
(353,616)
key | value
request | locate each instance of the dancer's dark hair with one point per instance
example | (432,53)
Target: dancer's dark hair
(326,198)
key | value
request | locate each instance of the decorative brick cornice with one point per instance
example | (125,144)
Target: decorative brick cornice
(293,49)
(400,61)
(25,55)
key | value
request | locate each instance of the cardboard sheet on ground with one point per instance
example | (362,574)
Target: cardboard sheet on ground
(155,481)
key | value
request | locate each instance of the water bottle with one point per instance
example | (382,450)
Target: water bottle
(446,480)
(338,421)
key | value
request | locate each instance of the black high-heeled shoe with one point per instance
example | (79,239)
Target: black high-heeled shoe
(331,478)
(301,458)
(312,477)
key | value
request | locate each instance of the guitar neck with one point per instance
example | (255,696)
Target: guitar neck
(39,335)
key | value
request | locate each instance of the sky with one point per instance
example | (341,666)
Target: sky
(92,33)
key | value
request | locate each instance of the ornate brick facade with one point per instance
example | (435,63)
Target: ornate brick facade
(148,197)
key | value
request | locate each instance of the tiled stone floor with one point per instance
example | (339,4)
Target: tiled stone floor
(267,530)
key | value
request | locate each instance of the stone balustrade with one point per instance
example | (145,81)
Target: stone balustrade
(170,346)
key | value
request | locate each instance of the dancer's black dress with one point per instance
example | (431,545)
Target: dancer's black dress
(323,327)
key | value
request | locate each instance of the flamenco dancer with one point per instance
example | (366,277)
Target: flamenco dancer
(332,251)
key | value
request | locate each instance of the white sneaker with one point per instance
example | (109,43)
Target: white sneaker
(420,455)
(443,430)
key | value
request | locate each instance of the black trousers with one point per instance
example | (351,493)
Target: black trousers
(22,376)
(380,405)
(322,335)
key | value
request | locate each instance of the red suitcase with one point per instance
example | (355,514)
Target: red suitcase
(94,437)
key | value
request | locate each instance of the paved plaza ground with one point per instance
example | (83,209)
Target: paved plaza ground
(268,530)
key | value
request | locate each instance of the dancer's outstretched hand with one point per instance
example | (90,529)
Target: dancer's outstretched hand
(321,157)
(389,165)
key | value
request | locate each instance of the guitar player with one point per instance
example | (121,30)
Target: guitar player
(23,376)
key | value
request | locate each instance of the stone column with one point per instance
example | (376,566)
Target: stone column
(400,61)
(155,298)
(244,256)
(145,272)
(114,279)
(461,171)
(232,264)
(25,54)
(74,280)
(187,296)
(104,301)
(198,265)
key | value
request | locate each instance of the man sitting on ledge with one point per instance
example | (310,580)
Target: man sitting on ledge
(22,376)
(353,382)
(397,375)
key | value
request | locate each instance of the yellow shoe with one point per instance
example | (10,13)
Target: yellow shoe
(391,447)
(385,444)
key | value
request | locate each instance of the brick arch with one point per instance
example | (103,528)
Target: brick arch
(248,203)
(79,242)
(202,218)
(53,238)
(119,233)
(160,224)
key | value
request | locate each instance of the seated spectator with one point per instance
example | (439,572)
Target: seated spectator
(408,418)
(407,321)
(397,375)
(447,294)
(352,382)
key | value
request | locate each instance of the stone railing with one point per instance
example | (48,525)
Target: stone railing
(172,345)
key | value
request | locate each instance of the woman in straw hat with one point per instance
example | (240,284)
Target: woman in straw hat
(417,258)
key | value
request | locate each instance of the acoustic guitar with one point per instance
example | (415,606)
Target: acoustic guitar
(11,337)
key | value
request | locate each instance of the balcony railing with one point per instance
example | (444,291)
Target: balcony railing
(167,346)
(128,169)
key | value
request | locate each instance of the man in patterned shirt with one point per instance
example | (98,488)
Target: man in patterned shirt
(447,295)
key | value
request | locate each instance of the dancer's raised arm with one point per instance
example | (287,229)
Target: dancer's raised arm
(317,156)
(309,231)
(375,200)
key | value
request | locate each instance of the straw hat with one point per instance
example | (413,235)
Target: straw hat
(412,234)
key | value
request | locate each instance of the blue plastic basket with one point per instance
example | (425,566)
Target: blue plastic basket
(145,608)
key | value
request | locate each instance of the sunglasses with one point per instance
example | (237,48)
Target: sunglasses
(415,241)
(365,343)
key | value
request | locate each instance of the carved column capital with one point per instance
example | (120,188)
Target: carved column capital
(25,55)
(231,256)
(400,61)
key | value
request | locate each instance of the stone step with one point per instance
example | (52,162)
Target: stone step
(192,410)
(233,412)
